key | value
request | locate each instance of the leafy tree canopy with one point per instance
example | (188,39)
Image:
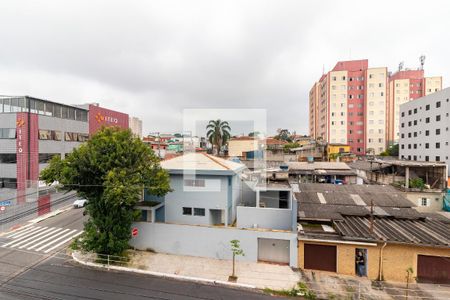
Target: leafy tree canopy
(283,135)
(110,171)
(218,133)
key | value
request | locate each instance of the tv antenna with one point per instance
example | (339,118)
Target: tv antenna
(422,61)
(400,65)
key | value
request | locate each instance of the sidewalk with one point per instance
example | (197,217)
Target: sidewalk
(250,274)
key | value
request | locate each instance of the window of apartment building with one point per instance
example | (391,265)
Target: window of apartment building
(427,145)
(403,113)
(380,84)
(427,132)
(359,149)
(334,78)
(194,182)
(360,96)
(427,158)
(187,211)
(438,131)
(371,76)
(438,118)
(409,134)
(427,107)
(409,112)
(403,125)
(380,140)
(438,145)
(415,146)
(415,122)
(342,122)
(343,77)
(8,158)
(415,133)
(438,104)
(403,135)
(7,133)
(409,146)
(409,157)
(403,146)
(199,212)
(427,120)
(415,110)
(409,124)
(438,158)
(415,157)
(380,131)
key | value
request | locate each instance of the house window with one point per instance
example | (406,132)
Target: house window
(427,107)
(187,211)
(427,158)
(438,158)
(427,132)
(199,212)
(438,118)
(438,131)
(424,202)
(438,104)
(438,145)
(427,145)
(194,182)
(427,120)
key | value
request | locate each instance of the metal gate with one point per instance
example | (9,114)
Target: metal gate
(273,250)
(433,269)
(320,257)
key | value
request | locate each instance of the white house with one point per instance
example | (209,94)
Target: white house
(210,205)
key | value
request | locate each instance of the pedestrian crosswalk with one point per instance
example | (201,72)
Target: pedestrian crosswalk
(40,239)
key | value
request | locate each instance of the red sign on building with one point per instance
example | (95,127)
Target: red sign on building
(99,117)
(134,232)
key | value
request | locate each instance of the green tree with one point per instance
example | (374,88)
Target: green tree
(289,146)
(283,135)
(237,251)
(218,133)
(391,151)
(110,171)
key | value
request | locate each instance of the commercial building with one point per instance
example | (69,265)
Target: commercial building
(351,104)
(424,128)
(33,130)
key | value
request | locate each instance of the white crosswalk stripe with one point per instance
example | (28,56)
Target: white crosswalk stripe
(40,239)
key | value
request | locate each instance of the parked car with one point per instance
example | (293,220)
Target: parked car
(80,203)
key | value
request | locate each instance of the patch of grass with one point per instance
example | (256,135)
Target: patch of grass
(300,290)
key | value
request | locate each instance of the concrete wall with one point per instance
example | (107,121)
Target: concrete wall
(270,218)
(217,198)
(396,259)
(236,147)
(204,241)
(435,201)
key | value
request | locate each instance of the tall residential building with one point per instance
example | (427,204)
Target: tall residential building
(348,106)
(357,105)
(406,85)
(424,128)
(136,126)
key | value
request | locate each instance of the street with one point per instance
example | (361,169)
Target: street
(26,273)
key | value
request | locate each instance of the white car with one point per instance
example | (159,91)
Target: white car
(80,203)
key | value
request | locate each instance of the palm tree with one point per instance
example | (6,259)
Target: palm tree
(218,133)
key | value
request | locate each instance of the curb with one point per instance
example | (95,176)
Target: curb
(164,275)
(49,215)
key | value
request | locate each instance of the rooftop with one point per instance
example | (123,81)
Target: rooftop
(318,165)
(200,161)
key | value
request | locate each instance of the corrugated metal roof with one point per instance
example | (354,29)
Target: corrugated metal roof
(425,231)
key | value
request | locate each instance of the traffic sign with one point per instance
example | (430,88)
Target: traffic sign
(2,208)
(5,203)
(134,232)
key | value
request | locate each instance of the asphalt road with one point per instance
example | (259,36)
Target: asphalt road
(30,274)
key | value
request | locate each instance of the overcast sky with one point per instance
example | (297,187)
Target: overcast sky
(152,59)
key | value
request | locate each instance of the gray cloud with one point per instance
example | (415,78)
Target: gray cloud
(152,59)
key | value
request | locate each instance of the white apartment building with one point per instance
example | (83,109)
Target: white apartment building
(424,128)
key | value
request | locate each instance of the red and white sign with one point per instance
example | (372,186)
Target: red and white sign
(134,232)
(2,208)
(99,116)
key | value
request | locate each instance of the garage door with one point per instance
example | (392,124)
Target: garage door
(433,269)
(320,257)
(273,250)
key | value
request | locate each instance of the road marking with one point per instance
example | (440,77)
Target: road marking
(54,241)
(63,242)
(15,230)
(46,235)
(33,237)
(15,234)
(32,234)
(47,239)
